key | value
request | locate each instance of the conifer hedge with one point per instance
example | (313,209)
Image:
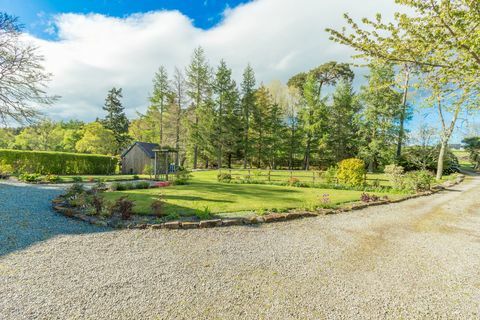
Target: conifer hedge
(50,162)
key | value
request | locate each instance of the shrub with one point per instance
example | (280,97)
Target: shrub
(158,206)
(420,180)
(5,170)
(77,179)
(148,170)
(365,197)
(49,162)
(142,185)
(97,203)
(30,177)
(395,174)
(293,181)
(182,176)
(52,178)
(123,207)
(75,189)
(136,177)
(224,177)
(351,172)
(99,187)
(330,175)
(204,214)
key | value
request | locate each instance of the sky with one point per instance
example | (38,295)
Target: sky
(91,46)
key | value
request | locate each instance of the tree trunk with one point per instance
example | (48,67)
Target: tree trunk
(441,157)
(401,132)
(306,162)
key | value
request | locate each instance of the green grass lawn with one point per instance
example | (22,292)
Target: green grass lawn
(204,191)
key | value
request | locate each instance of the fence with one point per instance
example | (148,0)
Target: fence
(312,177)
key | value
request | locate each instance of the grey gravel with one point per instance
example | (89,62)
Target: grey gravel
(418,259)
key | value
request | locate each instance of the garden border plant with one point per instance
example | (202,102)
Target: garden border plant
(119,214)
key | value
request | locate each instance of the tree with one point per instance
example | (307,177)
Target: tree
(198,90)
(22,76)
(116,120)
(439,37)
(178,109)
(382,106)
(313,119)
(472,145)
(97,139)
(160,95)
(226,106)
(248,105)
(343,122)
(43,135)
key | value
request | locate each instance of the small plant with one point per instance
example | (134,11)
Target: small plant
(224,177)
(418,180)
(142,185)
(365,197)
(30,177)
(114,186)
(77,179)
(91,179)
(158,206)
(123,207)
(136,177)
(51,178)
(99,187)
(172,216)
(204,214)
(396,176)
(75,189)
(293,181)
(97,204)
(5,170)
(148,170)
(351,172)
(262,212)
(325,198)
(182,176)
(330,175)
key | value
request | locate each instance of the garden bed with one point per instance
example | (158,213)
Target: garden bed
(62,206)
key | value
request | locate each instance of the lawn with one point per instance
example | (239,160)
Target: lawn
(204,191)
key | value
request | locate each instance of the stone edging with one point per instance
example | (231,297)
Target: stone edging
(59,205)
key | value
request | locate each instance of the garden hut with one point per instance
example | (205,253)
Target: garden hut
(137,157)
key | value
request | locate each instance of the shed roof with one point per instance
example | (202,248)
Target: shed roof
(145,147)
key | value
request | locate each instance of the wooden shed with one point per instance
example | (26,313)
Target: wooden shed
(137,156)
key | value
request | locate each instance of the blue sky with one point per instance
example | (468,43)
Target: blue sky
(92,45)
(36,14)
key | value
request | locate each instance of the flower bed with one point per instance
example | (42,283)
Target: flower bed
(63,205)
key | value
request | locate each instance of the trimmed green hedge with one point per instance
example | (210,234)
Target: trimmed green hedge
(49,162)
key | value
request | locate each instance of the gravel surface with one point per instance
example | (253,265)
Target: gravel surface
(418,259)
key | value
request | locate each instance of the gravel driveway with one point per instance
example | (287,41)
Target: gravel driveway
(419,259)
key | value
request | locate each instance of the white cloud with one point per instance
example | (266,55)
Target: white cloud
(278,37)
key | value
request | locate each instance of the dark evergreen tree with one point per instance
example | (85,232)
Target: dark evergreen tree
(116,120)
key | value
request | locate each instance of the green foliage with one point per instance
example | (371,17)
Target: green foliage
(330,175)
(224,177)
(97,139)
(44,162)
(116,120)
(182,176)
(395,174)
(75,189)
(204,214)
(52,178)
(77,179)
(29,177)
(420,180)
(351,172)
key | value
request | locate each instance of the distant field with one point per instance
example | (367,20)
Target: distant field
(463,159)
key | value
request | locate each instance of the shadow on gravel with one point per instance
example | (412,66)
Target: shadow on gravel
(26,217)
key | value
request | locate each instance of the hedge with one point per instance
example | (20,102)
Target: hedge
(49,162)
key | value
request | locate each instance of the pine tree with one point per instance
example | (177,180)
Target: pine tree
(199,91)
(159,98)
(116,120)
(343,122)
(226,106)
(178,111)
(382,106)
(248,105)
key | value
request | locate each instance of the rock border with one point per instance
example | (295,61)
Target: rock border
(60,205)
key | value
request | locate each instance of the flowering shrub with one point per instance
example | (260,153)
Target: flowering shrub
(365,197)
(351,172)
(161,184)
(395,174)
(420,180)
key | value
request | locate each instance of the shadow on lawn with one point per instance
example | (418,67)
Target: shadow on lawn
(26,218)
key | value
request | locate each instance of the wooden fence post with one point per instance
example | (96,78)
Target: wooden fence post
(269,172)
(313,178)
